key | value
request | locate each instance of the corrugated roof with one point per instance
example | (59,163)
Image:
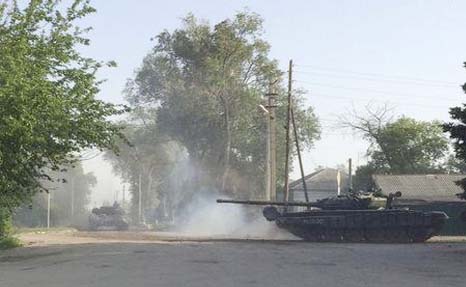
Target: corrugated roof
(429,187)
(322,180)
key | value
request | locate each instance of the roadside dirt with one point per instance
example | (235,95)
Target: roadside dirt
(66,237)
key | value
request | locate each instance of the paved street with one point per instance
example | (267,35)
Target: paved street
(248,263)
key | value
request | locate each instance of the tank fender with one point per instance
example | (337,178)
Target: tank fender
(270,213)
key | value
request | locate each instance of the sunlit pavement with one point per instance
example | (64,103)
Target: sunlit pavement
(237,263)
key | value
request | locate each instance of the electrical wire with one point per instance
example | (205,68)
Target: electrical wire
(369,100)
(384,80)
(403,78)
(368,90)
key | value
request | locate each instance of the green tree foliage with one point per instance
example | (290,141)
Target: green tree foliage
(202,85)
(409,146)
(403,146)
(148,162)
(5,222)
(70,193)
(457,130)
(48,109)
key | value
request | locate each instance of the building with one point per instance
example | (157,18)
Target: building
(320,184)
(429,192)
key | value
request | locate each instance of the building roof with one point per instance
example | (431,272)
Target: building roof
(321,180)
(426,187)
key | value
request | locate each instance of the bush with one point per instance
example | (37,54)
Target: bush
(9,242)
(5,222)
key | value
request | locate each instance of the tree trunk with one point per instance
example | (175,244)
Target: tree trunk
(227,146)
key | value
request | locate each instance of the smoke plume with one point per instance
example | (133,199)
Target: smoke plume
(204,217)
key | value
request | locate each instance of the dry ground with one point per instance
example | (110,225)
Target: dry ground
(72,259)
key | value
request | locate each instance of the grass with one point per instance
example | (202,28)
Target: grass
(9,242)
(42,230)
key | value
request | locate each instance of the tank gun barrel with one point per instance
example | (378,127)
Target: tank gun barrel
(332,203)
(263,202)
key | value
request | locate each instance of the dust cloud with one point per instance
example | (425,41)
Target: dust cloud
(207,218)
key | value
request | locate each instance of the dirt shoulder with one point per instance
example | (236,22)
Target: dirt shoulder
(72,236)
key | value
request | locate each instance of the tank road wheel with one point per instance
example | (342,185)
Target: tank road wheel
(320,235)
(333,235)
(419,234)
(399,235)
(311,236)
(375,235)
(353,235)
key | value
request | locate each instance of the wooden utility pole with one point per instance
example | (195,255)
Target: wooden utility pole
(48,209)
(268,162)
(295,130)
(271,146)
(123,200)
(72,199)
(140,198)
(338,182)
(350,175)
(287,145)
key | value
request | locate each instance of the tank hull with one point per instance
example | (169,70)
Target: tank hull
(103,222)
(378,226)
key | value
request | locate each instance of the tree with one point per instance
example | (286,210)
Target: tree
(70,192)
(457,130)
(48,109)
(148,158)
(203,85)
(401,146)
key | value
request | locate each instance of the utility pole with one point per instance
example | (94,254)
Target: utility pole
(295,130)
(117,194)
(48,209)
(72,199)
(287,146)
(338,182)
(268,183)
(271,145)
(140,198)
(123,200)
(350,175)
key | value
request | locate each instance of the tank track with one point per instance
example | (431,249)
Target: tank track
(372,235)
(375,226)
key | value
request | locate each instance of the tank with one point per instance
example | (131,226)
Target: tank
(353,218)
(108,218)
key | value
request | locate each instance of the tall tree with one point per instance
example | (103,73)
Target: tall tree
(70,196)
(204,83)
(457,130)
(48,109)
(146,164)
(401,146)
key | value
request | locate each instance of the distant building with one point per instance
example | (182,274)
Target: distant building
(428,192)
(320,184)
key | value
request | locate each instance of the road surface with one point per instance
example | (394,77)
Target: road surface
(235,263)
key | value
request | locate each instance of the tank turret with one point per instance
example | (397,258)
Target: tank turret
(108,218)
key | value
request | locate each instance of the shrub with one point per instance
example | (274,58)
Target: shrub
(5,222)
(9,242)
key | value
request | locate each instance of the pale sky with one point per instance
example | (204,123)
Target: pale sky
(347,54)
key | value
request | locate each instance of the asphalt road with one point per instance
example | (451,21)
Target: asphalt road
(235,264)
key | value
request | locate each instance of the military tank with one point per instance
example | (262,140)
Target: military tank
(108,218)
(353,218)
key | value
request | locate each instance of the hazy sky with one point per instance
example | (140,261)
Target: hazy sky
(347,54)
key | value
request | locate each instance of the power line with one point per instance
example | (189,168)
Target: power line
(378,75)
(368,90)
(385,80)
(368,100)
